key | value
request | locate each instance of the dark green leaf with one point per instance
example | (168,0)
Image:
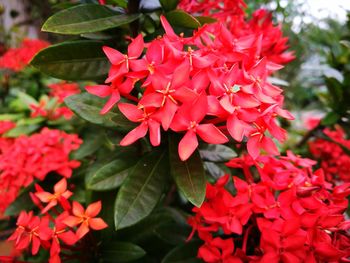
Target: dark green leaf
(73,60)
(92,141)
(112,174)
(141,191)
(169,5)
(22,202)
(87,18)
(173,233)
(189,175)
(180,18)
(121,252)
(330,119)
(186,253)
(88,107)
(217,153)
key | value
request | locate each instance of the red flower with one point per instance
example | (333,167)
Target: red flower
(61,194)
(148,123)
(60,233)
(85,218)
(30,230)
(188,119)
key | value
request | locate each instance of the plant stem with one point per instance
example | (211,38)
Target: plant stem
(133,8)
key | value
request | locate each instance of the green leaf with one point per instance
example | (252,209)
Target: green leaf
(26,99)
(86,18)
(88,107)
(330,119)
(111,175)
(205,19)
(189,175)
(11,116)
(73,60)
(169,5)
(22,202)
(121,252)
(141,190)
(21,130)
(180,18)
(217,153)
(92,141)
(186,253)
(173,233)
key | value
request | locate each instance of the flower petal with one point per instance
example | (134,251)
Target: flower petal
(97,223)
(211,134)
(93,209)
(187,145)
(137,133)
(114,56)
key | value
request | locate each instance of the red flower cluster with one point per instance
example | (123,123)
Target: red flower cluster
(231,13)
(51,107)
(53,229)
(62,90)
(209,85)
(18,58)
(334,161)
(222,10)
(28,157)
(281,212)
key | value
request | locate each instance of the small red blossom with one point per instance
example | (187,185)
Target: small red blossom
(86,219)
(61,194)
(31,230)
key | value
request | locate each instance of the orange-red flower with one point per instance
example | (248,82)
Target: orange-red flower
(86,219)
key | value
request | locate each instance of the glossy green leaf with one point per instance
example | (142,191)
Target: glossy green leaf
(180,18)
(86,18)
(121,252)
(88,107)
(169,5)
(186,253)
(141,190)
(189,175)
(217,153)
(73,60)
(112,174)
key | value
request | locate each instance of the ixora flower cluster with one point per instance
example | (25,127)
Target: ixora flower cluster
(17,58)
(281,212)
(50,107)
(213,85)
(33,157)
(55,231)
(334,161)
